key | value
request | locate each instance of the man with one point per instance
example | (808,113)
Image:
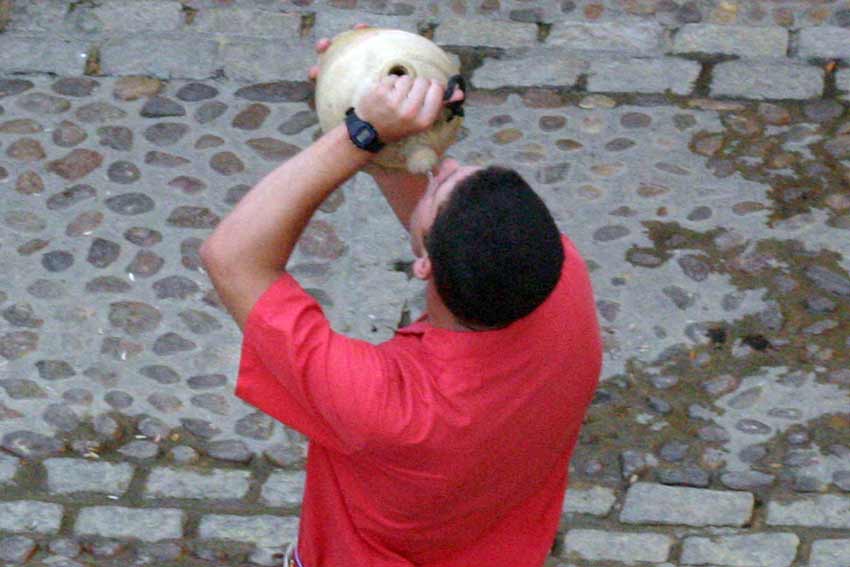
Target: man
(447,446)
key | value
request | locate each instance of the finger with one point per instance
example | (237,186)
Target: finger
(433,104)
(457,96)
(322,45)
(313,73)
(413,101)
(401,89)
(361,26)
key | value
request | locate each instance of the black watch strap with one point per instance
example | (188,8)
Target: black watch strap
(362,134)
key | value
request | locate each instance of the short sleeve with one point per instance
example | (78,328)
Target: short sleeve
(296,369)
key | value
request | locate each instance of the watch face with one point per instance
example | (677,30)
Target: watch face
(363,135)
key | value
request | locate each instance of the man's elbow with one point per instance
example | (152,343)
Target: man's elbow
(213,256)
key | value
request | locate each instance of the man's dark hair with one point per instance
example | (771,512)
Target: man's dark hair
(496,253)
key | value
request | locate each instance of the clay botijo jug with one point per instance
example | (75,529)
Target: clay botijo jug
(357,59)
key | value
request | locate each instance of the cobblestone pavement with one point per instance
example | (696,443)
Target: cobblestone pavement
(698,152)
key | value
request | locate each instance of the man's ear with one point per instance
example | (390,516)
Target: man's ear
(422,267)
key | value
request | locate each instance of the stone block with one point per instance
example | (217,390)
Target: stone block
(263,531)
(284,489)
(830,553)
(148,524)
(763,80)
(65,476)
(745,41)
(8,467)
(329,24)
(485,33)
(599,545)
(36,15)
(536,68)
(678,505)
(643,75)
(824,42)
(631,38)
(842,83)
(139,16)
(167,482)
(594,501)
(28,516)
(21,53)
(764,550)
(257,60)
(168,56)
(247,21)
(820,511)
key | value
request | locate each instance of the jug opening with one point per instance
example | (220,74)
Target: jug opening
(398,70)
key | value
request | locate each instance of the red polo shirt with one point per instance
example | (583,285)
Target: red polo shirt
(436,448)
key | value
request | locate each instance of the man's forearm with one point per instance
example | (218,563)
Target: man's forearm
(251,246)
(401,189)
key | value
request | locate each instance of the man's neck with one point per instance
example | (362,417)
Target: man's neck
(438,314)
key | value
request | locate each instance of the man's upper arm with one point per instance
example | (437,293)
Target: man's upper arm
(298,370)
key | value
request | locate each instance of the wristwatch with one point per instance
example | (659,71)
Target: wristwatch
(362,134)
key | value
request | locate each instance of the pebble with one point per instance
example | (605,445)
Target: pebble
(75,86)
(226,163)
(753,427)
(22,315)
(134,317)
(271,150)
(29,183)
(746,480)
(66,547)
(26,150)
(206,381)
(229,450)
(199,322)
(84,224)
(208,141)
(183,455)
(107,284)
(21,126)
(76,164)
(298,122)
(103,252)
(133,88)
(171,343)
(684,476)
(68,134)
(255,425)
(196,92)
(200,427)
(54,370)
(140,450)
(161,107)
(42,103)
(252,117)
(143,236)
(130,204)
(61,417)
(118,400)
(160,373)
(31,445)
(16,344)
(674,451)
(166,403)
(145,264)
(193,217)
(106,428)
(165,133)
(213,403)
(175,287)
(99,112)
(187,184)
(164,159)
(209,111)
(17,549)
